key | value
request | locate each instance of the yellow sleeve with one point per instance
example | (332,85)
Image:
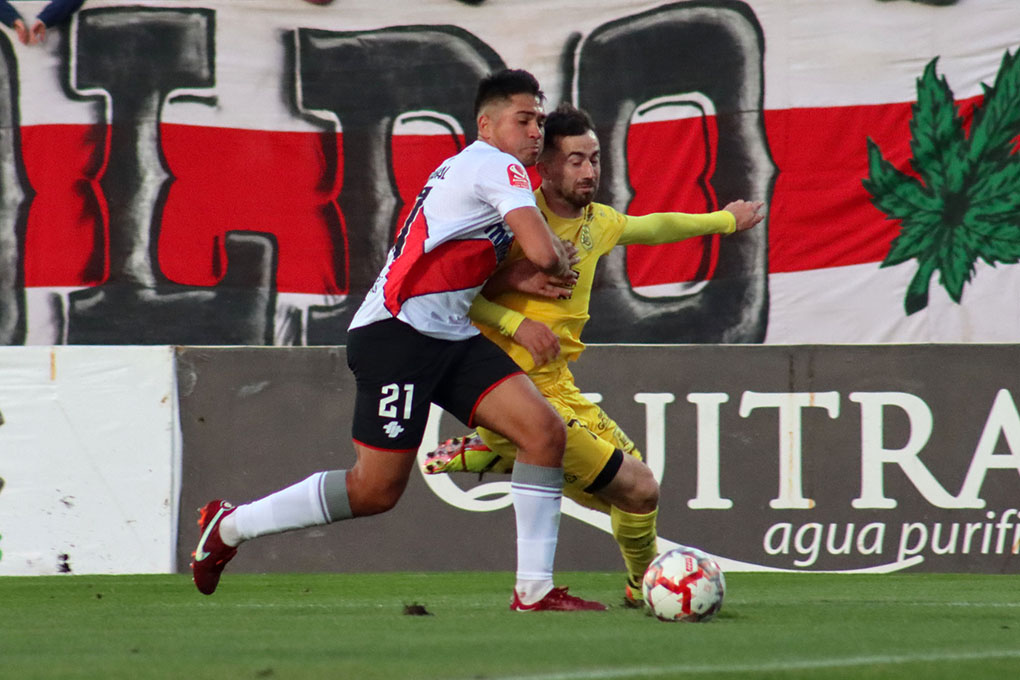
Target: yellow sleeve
(659,228)
(607,226)
(489,313)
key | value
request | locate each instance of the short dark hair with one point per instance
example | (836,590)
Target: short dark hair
(566,121)
(505,84)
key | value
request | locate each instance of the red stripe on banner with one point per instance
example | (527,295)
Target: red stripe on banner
(223,180)
(65,238)
(677,182)
(821,216)
(275,182)
(284,183)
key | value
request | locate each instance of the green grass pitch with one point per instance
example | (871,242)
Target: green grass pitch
(292,626)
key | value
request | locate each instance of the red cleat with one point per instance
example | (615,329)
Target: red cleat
(211,554)
(557,600)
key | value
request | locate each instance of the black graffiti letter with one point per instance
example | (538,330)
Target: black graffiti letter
(14,190)
(367,79)
(134,58)
(715,49)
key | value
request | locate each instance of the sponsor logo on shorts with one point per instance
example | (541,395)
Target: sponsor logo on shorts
(392,429)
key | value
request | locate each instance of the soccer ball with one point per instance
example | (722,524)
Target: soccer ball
(684,584)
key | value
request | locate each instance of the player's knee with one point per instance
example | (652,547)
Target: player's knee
(376,504)
(557,434)
(633,489)
(546,438)
(645,493)
(370,496)
(554,435)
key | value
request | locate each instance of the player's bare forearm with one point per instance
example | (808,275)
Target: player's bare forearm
(523,276)
(537,241)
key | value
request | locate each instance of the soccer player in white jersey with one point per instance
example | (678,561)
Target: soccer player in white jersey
(411,343)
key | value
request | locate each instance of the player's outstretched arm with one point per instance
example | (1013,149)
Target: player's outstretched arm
(660,228)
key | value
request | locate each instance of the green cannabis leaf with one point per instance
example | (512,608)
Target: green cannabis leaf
(966,204)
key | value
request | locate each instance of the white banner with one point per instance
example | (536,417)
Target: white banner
(89,460)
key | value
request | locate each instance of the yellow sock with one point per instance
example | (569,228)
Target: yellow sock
(636,537)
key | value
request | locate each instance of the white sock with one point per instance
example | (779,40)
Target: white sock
(536,492)
(531,592)
(299,505)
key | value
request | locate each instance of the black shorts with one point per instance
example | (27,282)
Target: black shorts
(400,372)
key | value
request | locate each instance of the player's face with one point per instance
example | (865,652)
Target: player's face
(572,170)
(514,126)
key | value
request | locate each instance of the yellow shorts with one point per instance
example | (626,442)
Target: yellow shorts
(592,436)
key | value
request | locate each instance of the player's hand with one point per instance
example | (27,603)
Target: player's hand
(569,279)
(572,254)
(746,212)
(523,276)
(568,260)
(541,343)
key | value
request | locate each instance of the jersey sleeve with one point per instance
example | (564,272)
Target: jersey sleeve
(497,316)
(659,228)
(59,11)
(610,227)
(8,15)
(503,183)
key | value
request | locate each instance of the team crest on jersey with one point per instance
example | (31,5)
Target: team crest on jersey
(585,236)
(518,177)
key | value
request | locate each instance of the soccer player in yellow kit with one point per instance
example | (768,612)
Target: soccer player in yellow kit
(538,319)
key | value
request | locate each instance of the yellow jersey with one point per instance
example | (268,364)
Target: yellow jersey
(597,231)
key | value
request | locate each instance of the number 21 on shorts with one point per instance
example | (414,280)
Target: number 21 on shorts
(389,405)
